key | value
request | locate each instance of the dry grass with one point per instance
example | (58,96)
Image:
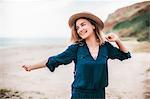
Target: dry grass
(14,94)
(142,47)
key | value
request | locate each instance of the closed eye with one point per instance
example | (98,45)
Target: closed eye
(82,24)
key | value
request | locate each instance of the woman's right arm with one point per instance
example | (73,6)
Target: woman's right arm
(35,66)
(53,62)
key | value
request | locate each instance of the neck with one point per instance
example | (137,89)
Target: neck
(92,41)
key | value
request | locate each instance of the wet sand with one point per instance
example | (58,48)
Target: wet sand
(129,79)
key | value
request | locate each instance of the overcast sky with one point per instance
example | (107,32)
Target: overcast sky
(49,18)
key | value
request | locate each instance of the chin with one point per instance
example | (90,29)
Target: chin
(84,37)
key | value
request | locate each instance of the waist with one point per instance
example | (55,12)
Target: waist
(88,90)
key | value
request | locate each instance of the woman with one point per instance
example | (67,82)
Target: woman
(90,53)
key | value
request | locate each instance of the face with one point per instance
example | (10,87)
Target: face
(84,28)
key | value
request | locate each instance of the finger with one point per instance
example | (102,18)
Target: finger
(25,68)
(106,38)
(109,37)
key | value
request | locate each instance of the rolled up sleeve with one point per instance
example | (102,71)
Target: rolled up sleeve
(115,53)
(63,58)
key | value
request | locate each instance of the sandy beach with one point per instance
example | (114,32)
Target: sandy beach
(129,79)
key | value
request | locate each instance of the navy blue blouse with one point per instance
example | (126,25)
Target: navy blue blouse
(89,73)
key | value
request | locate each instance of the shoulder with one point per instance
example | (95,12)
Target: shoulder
(108,44)
(73,47)
(81,43)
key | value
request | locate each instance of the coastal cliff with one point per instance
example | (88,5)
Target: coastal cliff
(130,21)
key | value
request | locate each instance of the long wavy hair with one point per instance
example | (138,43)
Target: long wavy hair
(75,38)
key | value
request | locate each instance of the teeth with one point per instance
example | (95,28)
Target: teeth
(84,32)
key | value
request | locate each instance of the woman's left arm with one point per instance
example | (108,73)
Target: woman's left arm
(114,38)
(121,46)
(120,53)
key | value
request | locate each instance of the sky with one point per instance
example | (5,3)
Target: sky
(49,18)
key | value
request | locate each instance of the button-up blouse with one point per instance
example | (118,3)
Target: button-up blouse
(89,73)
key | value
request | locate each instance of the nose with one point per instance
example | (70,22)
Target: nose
(80,29)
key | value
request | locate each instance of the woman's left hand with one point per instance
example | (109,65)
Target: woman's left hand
(111,37)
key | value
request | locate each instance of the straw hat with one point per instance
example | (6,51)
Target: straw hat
(89,15)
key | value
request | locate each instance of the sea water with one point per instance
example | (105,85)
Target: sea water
(19,42)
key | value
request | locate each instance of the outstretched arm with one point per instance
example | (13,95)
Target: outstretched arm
(53,62)
(35,66)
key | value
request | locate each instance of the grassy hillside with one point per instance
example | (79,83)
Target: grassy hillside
(138,26)
(130,21)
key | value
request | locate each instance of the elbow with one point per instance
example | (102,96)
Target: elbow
(126,56)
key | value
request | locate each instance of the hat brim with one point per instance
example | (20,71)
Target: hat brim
(91,16)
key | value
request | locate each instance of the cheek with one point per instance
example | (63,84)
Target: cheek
(78,33)
(90,30)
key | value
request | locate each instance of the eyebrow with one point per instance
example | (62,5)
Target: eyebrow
(82,22)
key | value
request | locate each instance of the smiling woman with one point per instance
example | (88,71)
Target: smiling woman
(90,52)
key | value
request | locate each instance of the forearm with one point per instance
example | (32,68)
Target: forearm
(38,65)
(121,46)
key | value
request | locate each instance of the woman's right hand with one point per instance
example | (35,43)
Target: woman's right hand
(27,67)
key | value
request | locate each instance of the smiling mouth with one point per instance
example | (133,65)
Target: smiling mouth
(83,33)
